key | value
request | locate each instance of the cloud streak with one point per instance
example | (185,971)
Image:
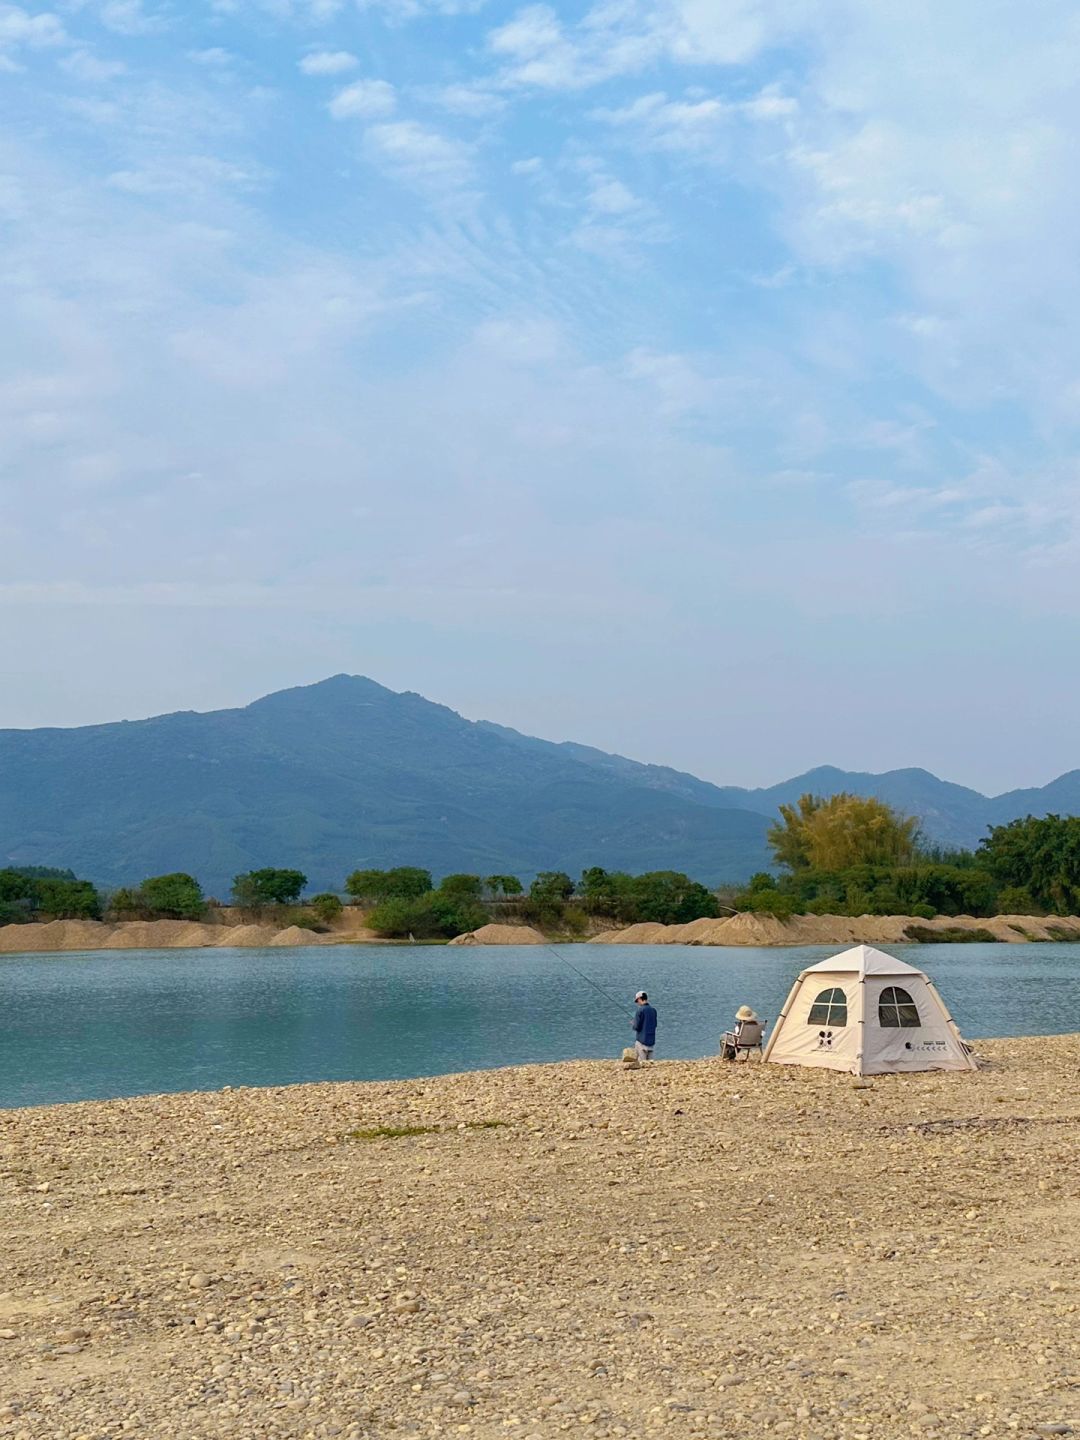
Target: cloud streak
(697,311)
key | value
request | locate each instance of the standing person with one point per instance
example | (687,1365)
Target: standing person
(644,1026)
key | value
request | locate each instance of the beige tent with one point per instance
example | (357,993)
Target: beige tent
(867,1013)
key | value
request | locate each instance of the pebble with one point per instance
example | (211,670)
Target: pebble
(529,1259)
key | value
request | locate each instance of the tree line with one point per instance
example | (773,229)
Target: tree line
(397,902)
(841,854)
(852,855)
(407,902)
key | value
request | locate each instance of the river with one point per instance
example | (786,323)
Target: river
(105,1024)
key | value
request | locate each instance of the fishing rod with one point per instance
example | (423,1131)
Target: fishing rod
(581,974)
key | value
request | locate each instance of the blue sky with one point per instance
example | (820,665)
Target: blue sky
(695,378)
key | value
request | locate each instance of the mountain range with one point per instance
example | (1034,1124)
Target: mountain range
(346,774)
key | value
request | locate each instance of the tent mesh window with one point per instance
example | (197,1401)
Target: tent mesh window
(897,1010)
(829,1009)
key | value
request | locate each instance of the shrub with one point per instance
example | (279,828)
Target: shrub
(1017,900)
(574,921)
(428,917)
(955,935)
(771,902)
(394,919)
(924,912)
(326,907)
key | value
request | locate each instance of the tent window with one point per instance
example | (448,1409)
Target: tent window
(897,1010)
(829,1009)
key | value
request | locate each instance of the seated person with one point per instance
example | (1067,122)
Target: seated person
(746,1035)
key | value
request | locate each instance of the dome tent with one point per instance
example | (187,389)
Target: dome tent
(868,1013)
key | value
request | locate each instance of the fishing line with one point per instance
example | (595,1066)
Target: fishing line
(581,974)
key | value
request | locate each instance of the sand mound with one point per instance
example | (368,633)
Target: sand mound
(244,935)
(297,935)
(648,932)
(744,929)
(163,935)
(838,930)
(501,935)
(55,935)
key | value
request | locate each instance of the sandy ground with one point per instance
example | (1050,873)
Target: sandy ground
(691,1249)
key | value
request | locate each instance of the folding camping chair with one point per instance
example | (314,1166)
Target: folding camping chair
(738,1043)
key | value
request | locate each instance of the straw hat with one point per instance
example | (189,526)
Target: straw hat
(745,1013)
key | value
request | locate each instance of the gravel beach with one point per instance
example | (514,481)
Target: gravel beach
(690,1249)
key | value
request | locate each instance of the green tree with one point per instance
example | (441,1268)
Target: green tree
(465,887)
(257,889)
(17,889)
(609,893)
(842,831)
(27,893)
(508,885)
(174,897)
(551,885)
(67,899)
(1039,856)
(671,898)
(405,882)
(326,906)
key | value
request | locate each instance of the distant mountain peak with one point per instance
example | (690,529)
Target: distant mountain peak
(345,773)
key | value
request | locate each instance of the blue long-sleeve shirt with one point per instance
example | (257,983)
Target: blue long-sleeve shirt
(645,1025)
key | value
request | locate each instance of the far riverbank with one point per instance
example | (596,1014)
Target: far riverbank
(72,936)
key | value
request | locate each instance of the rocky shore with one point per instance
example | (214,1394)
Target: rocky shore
(692,1249)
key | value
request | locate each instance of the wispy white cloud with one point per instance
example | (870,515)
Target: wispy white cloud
(475,102)
(400,10)
(213,58)
(419,156)
(364,100)
(19,29)
(130,17)
(328,62)
(673,124)
(689,252)
(85,66)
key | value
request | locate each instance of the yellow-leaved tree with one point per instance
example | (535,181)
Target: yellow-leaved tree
(841,831)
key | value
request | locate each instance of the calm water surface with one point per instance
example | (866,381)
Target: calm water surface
(93,1026)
